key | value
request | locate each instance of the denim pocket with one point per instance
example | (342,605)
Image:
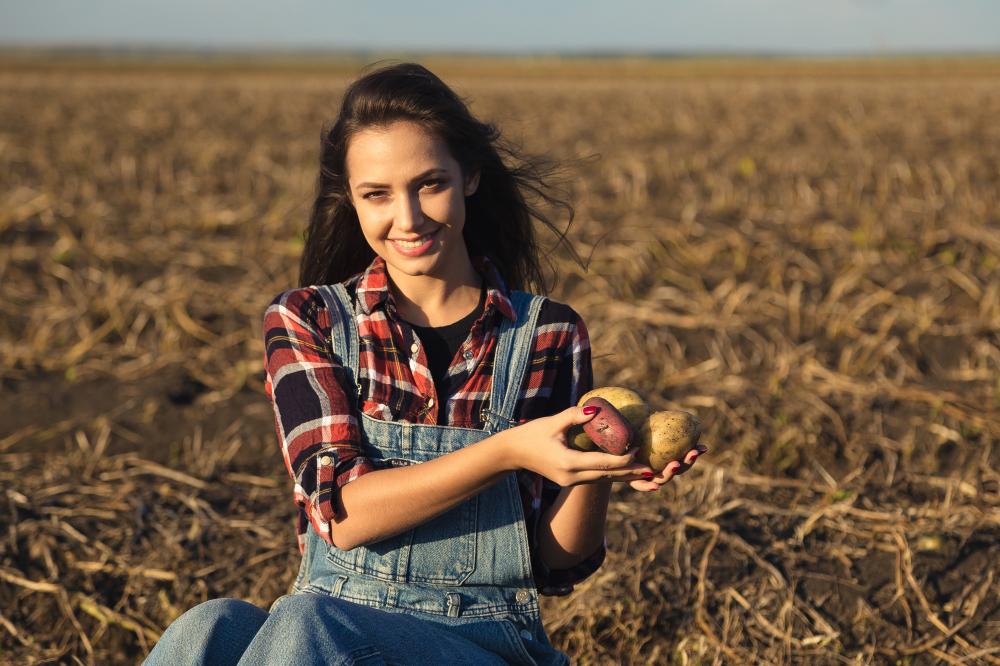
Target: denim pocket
(441,550)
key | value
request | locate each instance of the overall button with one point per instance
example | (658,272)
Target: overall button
(522,596)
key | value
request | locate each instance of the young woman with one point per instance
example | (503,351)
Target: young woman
(422,398)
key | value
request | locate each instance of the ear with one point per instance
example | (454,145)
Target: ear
(471,183)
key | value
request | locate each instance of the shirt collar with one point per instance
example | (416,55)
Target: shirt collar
(373,288)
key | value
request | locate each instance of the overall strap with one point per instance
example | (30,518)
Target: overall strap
(510,362)
(343,331)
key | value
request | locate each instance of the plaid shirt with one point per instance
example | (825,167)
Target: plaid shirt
(314,416)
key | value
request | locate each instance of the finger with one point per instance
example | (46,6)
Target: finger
(694,454)
(639,469)
(632,478)
(591,460)
(572,416)
(669,472)
(611,475)
(690,459)
(682,469)
(644,486)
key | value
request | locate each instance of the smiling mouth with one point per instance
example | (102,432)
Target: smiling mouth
(416,247)
(413,243)
(416,242)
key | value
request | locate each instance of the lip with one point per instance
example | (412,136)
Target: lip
(416,250)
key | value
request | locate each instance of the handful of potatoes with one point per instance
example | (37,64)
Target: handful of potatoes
(624,420)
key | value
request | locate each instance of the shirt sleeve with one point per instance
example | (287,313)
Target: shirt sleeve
(314,416)
(573,378)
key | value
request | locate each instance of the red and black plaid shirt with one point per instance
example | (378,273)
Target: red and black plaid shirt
(313,415)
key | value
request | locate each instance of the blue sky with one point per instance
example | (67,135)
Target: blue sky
(780,26)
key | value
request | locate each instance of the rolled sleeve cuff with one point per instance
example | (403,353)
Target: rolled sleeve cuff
(560,582)
(334,472)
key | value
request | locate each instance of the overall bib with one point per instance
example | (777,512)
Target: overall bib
(467,571)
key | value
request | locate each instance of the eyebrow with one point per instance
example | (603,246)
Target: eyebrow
(420,177)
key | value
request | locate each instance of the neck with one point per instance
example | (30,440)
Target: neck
(436,300)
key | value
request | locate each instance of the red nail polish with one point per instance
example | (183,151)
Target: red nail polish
(648,475)
(590,409)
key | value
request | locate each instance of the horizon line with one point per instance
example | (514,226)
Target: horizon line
(140,49)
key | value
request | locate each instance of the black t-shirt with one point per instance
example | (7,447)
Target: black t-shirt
(441,343)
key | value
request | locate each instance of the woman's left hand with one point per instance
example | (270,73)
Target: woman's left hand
(672,469)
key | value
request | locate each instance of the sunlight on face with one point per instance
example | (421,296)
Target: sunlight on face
(409,194)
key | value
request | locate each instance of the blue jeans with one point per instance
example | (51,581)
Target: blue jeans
(318,629)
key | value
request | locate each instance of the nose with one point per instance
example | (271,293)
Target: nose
(409,214)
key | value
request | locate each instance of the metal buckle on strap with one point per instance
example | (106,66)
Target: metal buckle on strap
(486,415)
(454,604)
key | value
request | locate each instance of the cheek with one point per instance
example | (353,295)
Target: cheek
(448,209)
(371,227)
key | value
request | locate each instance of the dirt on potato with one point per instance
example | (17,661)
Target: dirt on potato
(804,254)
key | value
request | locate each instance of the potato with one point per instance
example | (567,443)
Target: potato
(628,402)
(667,436)
(577,439)
(608,429)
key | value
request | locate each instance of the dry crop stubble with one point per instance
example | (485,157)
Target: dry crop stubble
(811,265)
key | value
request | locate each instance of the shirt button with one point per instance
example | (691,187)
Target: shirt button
(430,402)
(325,460)
(526,635)
(467,355)
(522,596)
(414,347)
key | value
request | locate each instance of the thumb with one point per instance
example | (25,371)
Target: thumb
(572,416)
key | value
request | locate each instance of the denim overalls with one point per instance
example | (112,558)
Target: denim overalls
(468,569)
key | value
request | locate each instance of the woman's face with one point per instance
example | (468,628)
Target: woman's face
(409,194)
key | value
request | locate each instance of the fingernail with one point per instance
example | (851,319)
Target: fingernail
(648,475)
(590,409)
(691,457)
(673,467)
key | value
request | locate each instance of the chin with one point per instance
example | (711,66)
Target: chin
(414,265)
(429,264)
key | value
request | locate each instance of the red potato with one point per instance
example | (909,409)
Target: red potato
(609,429)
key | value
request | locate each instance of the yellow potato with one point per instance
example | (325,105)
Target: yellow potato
(667,436)
(577,439)
(628,402)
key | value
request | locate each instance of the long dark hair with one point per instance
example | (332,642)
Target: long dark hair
(499,215)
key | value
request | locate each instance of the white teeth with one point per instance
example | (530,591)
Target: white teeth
(417,243)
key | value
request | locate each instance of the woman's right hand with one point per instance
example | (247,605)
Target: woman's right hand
(541,446)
